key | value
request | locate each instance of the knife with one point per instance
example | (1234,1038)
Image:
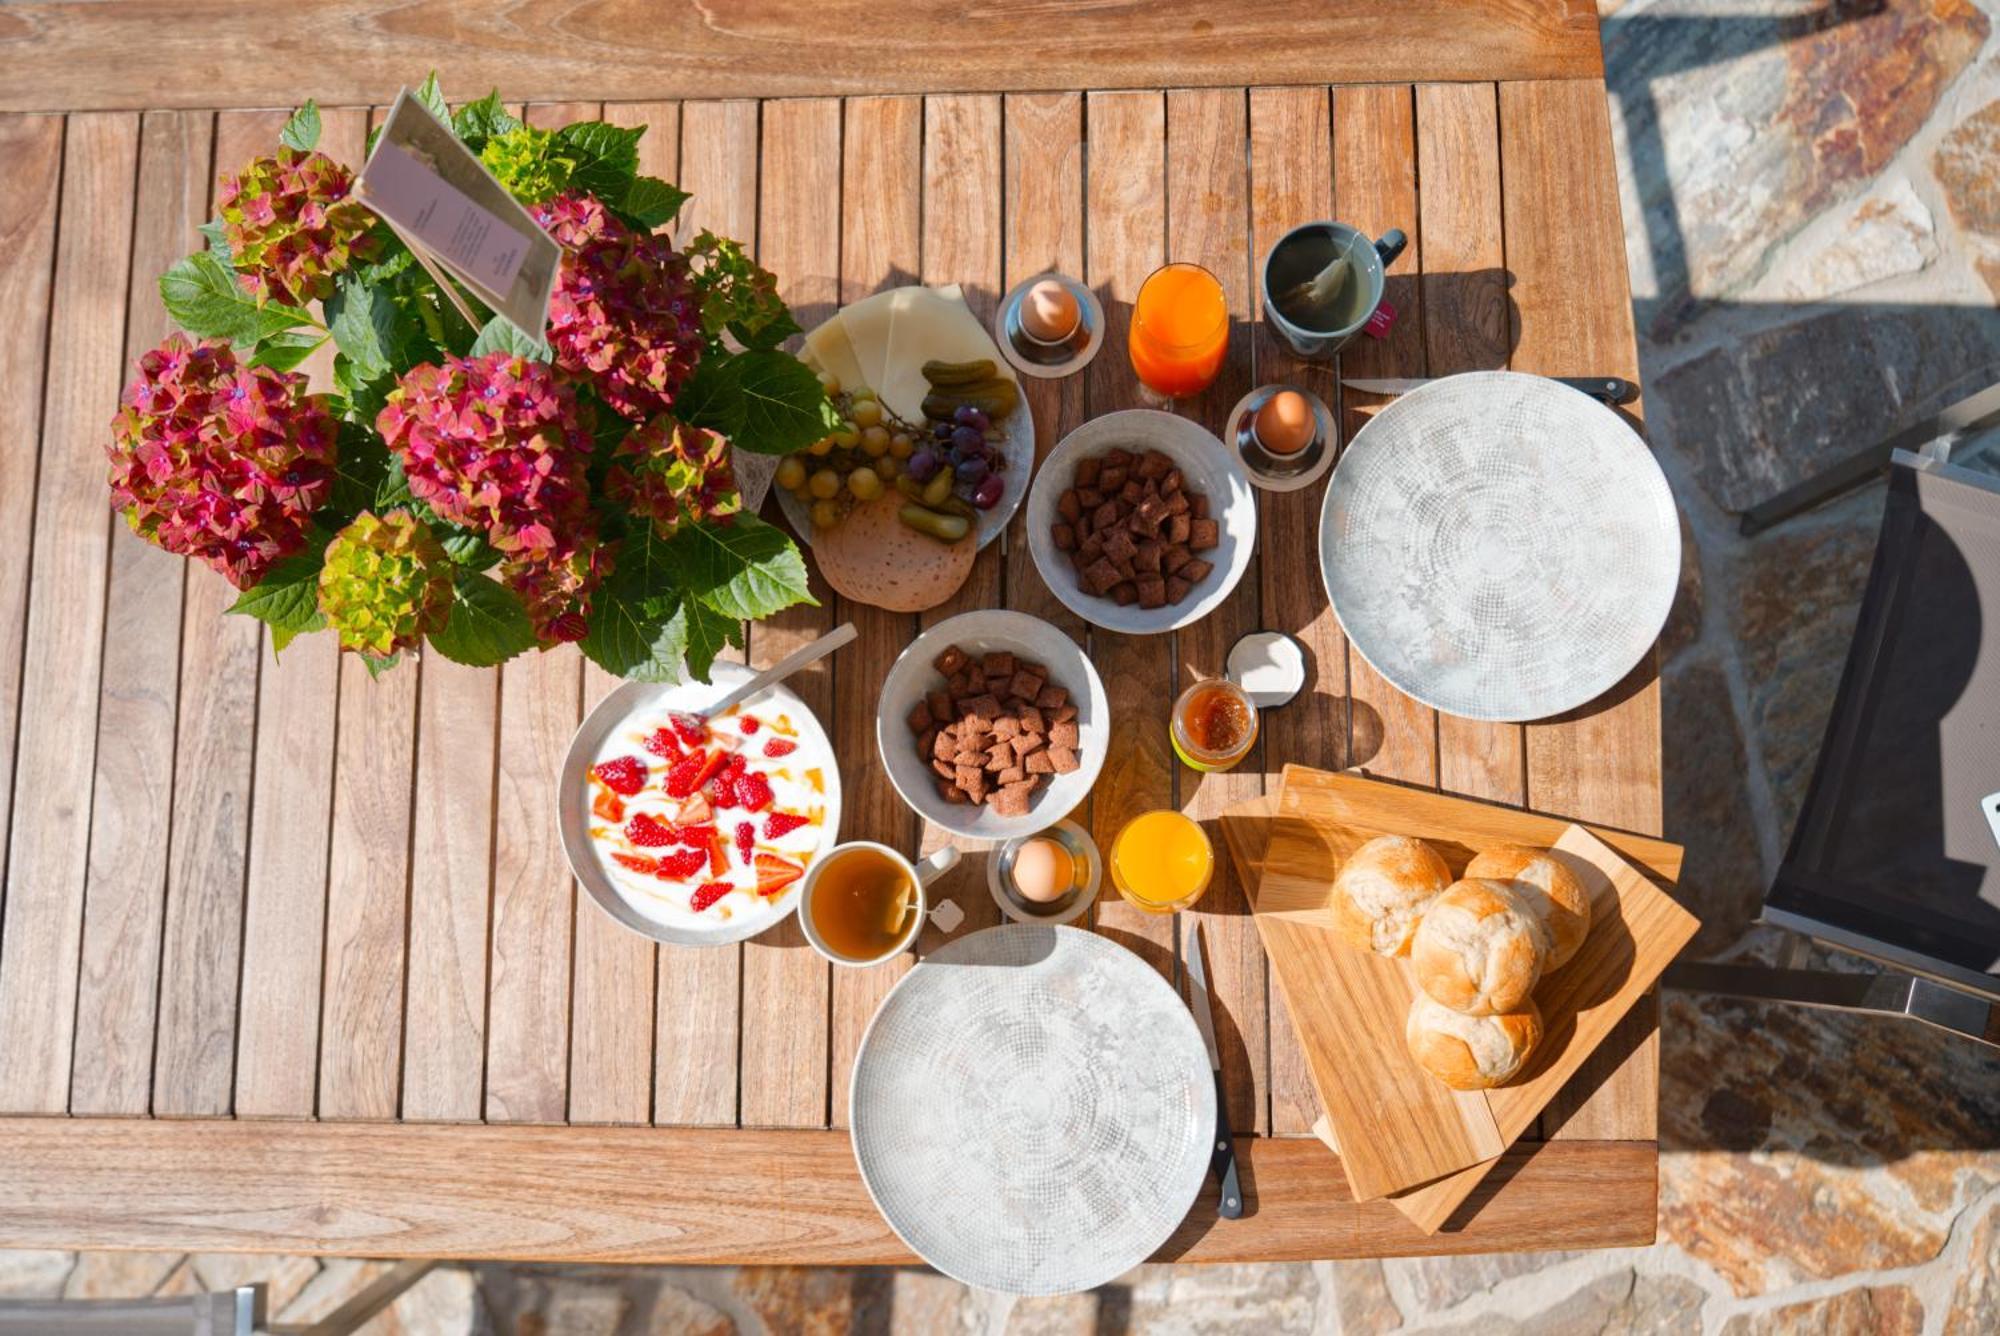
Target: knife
(1610,389)
(1222,1160)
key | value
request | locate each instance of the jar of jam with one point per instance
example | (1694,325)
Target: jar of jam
(1214,725)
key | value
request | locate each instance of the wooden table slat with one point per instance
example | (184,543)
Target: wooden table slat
(1126,239)
(1207,183)
(696,999)
(132,798)
(1574,309)
(785,985)
(56,737)
(881,246)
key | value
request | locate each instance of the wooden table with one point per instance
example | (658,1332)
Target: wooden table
(290,960)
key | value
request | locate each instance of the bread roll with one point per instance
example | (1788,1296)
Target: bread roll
(1479,949)
(1551,890)
(1383,889)
(1471,1052)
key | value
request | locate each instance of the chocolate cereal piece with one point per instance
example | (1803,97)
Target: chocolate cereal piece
(999,664)
(1196,570)
(1041,763)
(950,661)
(920,717)
(1204,534)
(1064,760)
(1063,734)
(1052,697)
(1070,506)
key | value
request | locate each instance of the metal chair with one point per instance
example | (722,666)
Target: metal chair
(1896,852)
(237,1312)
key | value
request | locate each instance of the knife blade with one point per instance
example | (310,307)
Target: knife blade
(1222,1159)
(1609,389)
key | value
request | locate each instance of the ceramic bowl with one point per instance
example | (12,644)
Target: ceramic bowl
(914,675)
(1206,465)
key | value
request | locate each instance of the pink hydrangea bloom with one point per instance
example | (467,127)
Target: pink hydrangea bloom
(291,226)
(219,461)
(668,471)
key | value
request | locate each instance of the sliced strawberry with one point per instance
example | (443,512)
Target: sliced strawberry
(746,839)
(648,832)
(775,873)
(638,863)
(623,774)
(694,837)
(680,781)
(748,723)
(780,824)
(682,864)
(693,729)
(708,893)
(607,805)
(718,853)
(663,744)
(776,747)
(754,791)
(694,812)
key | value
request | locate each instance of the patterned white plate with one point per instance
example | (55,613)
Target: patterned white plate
(1499,546)
(1031,1109)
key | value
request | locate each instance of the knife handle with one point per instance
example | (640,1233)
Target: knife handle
(1609,389)
(1222,1159)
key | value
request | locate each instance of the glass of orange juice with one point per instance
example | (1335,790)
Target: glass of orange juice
(1161,861)
(1180,330)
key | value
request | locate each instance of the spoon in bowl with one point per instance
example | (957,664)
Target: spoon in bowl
(799,658)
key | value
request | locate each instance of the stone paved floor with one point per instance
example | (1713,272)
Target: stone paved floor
(1812,199)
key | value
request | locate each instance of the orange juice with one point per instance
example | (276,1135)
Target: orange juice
(1180,330)
(1161,861)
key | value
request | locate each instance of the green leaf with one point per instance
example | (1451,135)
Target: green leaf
(774,331)
(628,641)
(502,335)
(433,100)
(487,624)
(784,406)
(467,548)
(394,488)
(202,295)
(218,240)
(302,130)
(477,122)
(378,664)
(284,351)
(607,156)
(359,469)
(287,598)
(652,202)
(745,569)
(363,320)
(708,632)
(713,396)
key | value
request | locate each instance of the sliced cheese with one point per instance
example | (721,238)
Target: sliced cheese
(930,324)
(831,350)
(867,324)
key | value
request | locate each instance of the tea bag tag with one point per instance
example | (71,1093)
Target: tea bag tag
(947,916)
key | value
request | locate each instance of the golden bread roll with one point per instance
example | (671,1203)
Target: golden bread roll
(1383,890)
(1471,1052)
(1479,949)
(1551,890)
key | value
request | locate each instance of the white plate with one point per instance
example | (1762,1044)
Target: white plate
(913,676)
(1499,546)
(573,798)
(1206,465)
(1032,1109)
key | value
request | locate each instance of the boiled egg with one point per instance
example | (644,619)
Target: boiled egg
(1284,425)
(1049,311)
(1043,870)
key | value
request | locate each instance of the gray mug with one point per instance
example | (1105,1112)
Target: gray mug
(1366,262)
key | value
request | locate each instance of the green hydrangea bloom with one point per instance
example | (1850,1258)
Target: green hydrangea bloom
(386,584)
(529,162)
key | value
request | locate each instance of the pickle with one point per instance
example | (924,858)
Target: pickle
(958,373)
(938,488)
(996,398)
(944,528)
(910,487)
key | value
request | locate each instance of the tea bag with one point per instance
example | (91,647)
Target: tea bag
(1319,290)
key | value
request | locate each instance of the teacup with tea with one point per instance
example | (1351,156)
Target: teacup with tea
(864,902)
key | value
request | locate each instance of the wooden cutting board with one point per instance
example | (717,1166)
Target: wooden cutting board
(1350,1005)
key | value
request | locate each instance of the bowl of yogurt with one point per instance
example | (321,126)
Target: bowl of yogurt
(692,830)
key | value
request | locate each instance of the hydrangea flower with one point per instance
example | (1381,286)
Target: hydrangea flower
(526,161)
(556,588)
(219,461)
(496,443)
(291,226)
(625,314)
(668,470)
(386,583)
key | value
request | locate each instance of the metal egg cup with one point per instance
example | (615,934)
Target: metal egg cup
(1275,472)
(1041,358)
(1066,908)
